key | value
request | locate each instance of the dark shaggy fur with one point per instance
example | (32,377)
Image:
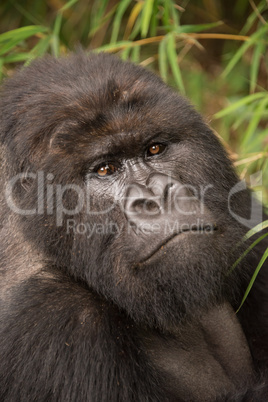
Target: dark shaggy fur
(93,306)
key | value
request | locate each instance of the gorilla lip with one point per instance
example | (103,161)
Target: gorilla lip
(204,229)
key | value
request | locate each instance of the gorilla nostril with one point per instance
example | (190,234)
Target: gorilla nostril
(144,205)
(166,191)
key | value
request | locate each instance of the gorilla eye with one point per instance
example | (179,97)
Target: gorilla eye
(106,170)
(155,149)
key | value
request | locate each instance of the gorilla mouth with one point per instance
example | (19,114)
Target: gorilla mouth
(204,229)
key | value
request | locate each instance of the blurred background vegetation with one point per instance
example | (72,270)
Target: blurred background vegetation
(213,51)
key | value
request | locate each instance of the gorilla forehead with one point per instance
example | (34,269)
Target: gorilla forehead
(98,95)
(71,109)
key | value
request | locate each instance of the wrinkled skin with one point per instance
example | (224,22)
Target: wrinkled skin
(118,235)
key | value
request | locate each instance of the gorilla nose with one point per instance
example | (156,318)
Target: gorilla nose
(145,205)
(149,200)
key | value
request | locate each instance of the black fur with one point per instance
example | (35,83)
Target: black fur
(119,313)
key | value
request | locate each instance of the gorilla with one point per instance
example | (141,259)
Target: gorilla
(121,221)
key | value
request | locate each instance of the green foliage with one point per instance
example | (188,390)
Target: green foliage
(257,270)
(252,232)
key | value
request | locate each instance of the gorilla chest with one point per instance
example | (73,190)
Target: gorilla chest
(204,360)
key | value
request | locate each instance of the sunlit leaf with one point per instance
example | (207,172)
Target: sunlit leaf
(154,19)
(175,16)
(255,120)
(115,46)
(238,104)
(40,49)
(135,54)
(16,57)
(255,65)
(101,22)
(133,18)
(261,226)
(253,17)
(122,6)
(1,67)
(10,39)
(162,60)
(245,253)
(146,17)
(125,53)
(55,42)
(165,17)
(68,5)
(172,57)
(251,283)
(197,27)
(22,33)
(252,40)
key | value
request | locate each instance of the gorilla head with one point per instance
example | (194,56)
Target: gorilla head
(118,184)
(144,175)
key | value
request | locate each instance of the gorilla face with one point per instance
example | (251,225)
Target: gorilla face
(134,189)
(168,249)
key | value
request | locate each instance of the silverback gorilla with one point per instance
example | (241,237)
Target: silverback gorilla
(120,219)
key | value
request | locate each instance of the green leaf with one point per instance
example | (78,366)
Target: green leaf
(55,43)
(258,52)
(251,283)
(115,46)
(255,144)
(25,13)
(122,6)
(245,114)
(244,101)
(253,17)
(22,33)
(125,53)
(257,241)
(154,20)
(175,16)
(146,16)
(10,39)
(197,27)
(67,5)
(172,57)
(16,57)
(98,25)
(165,17)
(9,46)
(1,67)
(39,49)
(254,121)
(55,38)
(162,60)
(261,226)
(252,40)
(137,28)
(135,54)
